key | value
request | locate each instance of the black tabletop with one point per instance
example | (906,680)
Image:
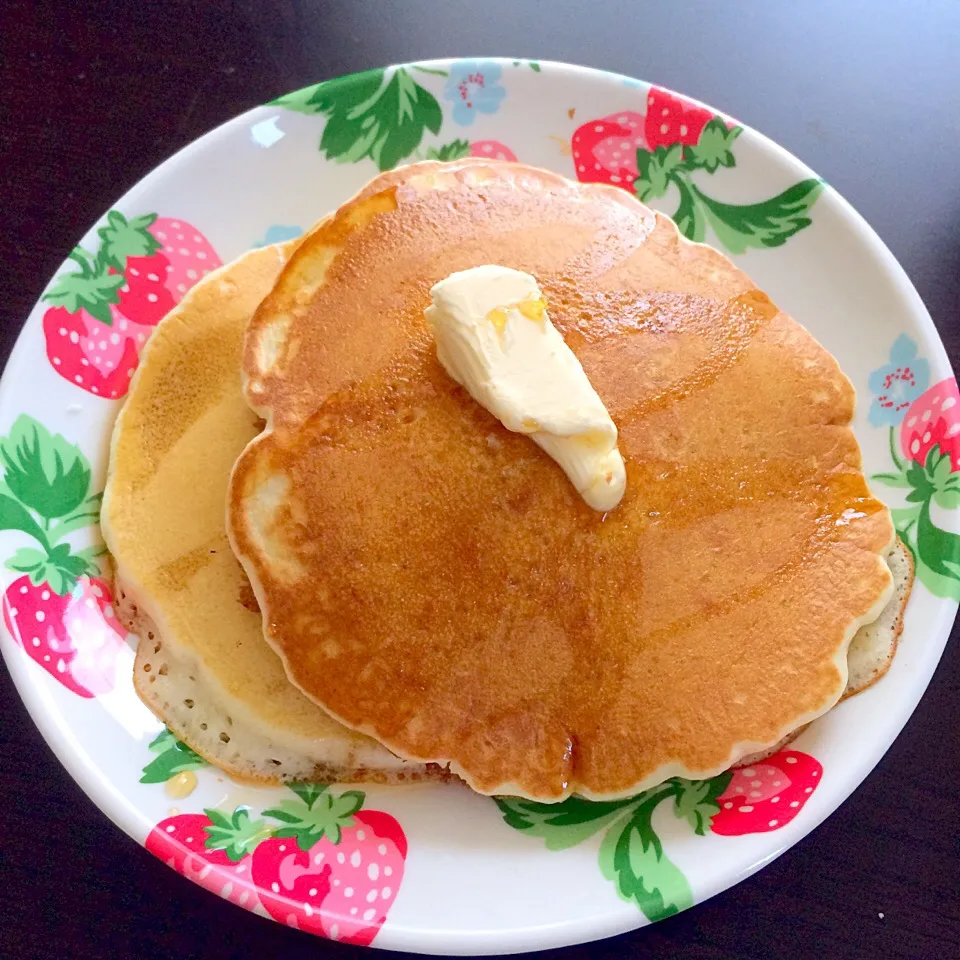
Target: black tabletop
(867,92)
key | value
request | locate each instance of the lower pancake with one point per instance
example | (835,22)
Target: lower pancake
(874,644)
(202,664)
(433,580)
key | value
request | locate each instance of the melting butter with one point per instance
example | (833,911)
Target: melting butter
(495,338)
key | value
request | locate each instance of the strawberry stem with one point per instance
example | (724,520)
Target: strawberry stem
(35,531)
(893,450)
(86,514)
(88,266)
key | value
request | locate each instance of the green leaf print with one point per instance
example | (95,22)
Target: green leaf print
(767,224)
(938,556)
(936,552)
(28,560)
(564,824)
(92,288)
(317,814)
(370,115)
(696,800)
(657,171)
(738,227)
(689,216)
(944,484)
(14,516)
(633,857)
(891,479)
(631,854)
(44,493)
(236,835)
(173,757)
(713,149)
(454,150)
(59,568)
(42,470)
(945,585)
(86,514)
(121,239)
(343,93)
(948,499)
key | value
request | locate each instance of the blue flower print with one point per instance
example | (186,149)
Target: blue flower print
(897,384)
(474,88)
(278,233)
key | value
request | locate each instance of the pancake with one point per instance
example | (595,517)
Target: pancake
(202,665)
(433,580)
(874,644)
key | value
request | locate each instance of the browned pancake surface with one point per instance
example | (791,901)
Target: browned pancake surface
(434,580)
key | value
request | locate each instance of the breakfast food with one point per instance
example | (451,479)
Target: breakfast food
(202,664)
(495,338)
(874,644)
(435,581)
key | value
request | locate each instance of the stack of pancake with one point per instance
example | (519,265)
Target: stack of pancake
(341,567)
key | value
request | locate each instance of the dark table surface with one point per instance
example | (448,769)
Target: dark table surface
(94,95)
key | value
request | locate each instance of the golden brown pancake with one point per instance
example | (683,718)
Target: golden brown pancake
(202,665)
(434,580)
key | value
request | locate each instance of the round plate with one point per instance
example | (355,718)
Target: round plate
(435,868)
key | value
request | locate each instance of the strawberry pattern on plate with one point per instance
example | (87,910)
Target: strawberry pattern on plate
(924,447)
(102,314)
(666,150)
(59,609)
(320,863)
(765,796)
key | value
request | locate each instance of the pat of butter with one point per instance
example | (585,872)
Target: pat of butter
(495,338)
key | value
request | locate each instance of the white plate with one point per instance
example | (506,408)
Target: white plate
(466,875)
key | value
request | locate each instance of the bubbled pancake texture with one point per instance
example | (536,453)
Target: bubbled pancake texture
(872,648)
(435,581)
(204,667)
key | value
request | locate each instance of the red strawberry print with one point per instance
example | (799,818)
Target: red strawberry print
(57,609)
(671,119)
(930,441)
(144,298)
(98,357)
(605,150)
(320,864)
(933,421)
(766,796)
(333,870)
(160,257)
(491,150)
(182,842)
(103,313)
(74,637)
